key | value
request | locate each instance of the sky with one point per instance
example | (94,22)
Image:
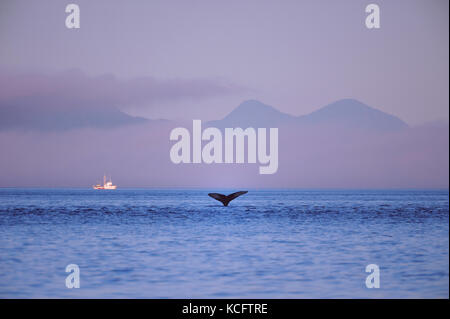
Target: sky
(69,98)
(294,55)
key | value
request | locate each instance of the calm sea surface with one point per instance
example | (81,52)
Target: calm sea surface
(143,243)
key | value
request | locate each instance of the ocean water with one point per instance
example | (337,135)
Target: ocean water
(143,243)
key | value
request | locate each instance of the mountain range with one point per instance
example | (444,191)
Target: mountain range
(344,114)
(74,144)
(27,114)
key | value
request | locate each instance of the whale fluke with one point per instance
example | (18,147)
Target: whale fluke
(225,199)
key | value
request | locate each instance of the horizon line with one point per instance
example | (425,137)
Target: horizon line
(249,188)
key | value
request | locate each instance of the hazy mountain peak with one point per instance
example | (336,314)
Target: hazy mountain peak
(348,106)
(346,114)
(253,104)
(253,113)
(351,113)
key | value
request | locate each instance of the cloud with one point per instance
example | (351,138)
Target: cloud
(107,89)
(73,99)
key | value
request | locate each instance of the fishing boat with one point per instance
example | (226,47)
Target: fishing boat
(106,185)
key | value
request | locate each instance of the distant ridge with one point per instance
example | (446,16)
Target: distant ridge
(254,113)
(349,114)
(346,113)
(23,114)
(352,113)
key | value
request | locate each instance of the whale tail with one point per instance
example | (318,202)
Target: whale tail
(225,199)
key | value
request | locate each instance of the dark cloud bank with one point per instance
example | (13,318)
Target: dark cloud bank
(72,99)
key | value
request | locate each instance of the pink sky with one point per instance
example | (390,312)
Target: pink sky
(295,55)
(184,60)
